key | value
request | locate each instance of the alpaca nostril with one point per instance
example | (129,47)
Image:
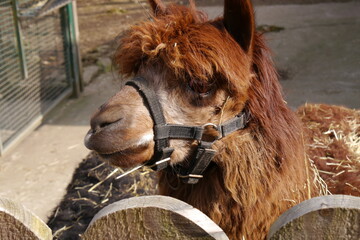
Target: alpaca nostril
(105,124)
(98,125)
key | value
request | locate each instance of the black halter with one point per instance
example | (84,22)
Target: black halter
(163,132)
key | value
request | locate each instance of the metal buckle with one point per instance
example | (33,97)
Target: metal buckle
(190,179)
(190,176)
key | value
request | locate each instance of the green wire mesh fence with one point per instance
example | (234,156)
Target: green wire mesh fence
(36,63)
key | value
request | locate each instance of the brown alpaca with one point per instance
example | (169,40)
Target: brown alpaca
(208,72)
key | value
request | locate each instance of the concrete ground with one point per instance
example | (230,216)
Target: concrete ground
(317,53)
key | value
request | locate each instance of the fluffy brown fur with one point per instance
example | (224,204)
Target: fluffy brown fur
(259,172)
(175,41)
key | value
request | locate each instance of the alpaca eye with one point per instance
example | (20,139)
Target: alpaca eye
(202,89)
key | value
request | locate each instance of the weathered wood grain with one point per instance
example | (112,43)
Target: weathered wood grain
(152,217)
(332,217)
(16,222)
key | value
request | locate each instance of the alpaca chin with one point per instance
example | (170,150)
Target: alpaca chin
(127,157)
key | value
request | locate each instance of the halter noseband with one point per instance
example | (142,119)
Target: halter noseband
(163,132)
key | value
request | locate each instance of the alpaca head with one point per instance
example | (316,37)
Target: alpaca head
(200,70)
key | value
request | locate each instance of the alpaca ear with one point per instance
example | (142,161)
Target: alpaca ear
(239,21)
(157,6)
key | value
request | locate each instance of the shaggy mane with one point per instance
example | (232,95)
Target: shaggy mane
(186,43)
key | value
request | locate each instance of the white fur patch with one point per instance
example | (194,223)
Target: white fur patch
(145,139)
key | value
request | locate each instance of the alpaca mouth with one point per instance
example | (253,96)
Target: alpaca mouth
(128,155)
(118,154)
(99,144)
(110,155)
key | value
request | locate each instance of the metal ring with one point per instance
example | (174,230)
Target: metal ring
(210,124)
(216,127)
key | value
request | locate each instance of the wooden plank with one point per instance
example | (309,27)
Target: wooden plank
(327,217)
(16,222)
(152,217)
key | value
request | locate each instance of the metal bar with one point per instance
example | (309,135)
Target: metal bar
(76,35)
(73,50)
(67,47)
(19,39)
(46,8)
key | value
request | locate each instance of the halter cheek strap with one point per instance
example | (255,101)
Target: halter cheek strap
(163,132)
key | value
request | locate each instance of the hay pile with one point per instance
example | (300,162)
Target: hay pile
(333,136)
(94,186)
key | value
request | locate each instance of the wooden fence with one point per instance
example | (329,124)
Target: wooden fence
(160,217)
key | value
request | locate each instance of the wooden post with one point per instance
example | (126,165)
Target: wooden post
(328,217)
(16,222)
(152,217)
